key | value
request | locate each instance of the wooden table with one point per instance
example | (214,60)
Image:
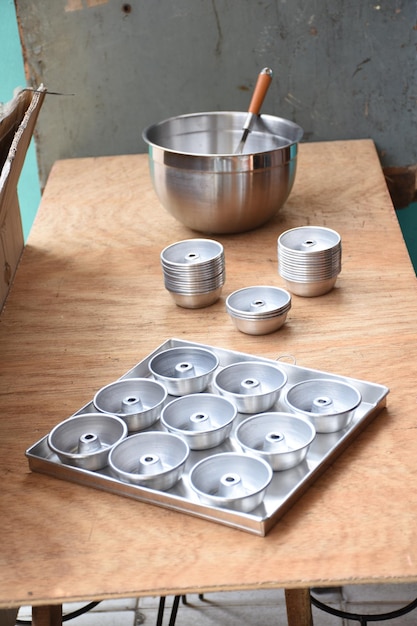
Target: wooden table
(89,302)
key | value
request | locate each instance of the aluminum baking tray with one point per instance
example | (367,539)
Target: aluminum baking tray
(286,486)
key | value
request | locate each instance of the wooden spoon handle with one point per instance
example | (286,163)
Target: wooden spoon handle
(261,87)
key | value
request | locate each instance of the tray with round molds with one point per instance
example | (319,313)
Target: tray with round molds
(222,435)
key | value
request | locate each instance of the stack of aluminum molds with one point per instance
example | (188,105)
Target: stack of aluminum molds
(194,272)
(309,259)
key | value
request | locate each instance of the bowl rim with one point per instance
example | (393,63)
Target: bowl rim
(210,155)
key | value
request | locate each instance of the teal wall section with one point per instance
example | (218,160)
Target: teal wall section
(408,222)
(12,75)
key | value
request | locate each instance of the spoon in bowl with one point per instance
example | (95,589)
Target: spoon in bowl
(258,96)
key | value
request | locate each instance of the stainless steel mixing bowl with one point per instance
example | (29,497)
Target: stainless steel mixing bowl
(204,184)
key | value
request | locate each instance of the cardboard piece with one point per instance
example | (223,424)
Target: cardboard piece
(17,123)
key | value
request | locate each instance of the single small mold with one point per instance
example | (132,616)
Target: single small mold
(253,386)
(203,420)
(328,404)
(184,370)
(152,459)
(138,401)
(281,439)
(85,440)
(231,480)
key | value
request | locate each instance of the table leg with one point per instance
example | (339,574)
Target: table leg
(298,607)
(47,615)
(8,617)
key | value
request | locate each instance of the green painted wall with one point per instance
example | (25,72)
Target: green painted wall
(408,222)
(12,75)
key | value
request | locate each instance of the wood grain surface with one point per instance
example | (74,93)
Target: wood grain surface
(88,303)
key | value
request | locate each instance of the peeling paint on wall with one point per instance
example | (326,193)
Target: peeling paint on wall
(79,5)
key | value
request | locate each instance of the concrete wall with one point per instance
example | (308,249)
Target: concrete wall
(342,69)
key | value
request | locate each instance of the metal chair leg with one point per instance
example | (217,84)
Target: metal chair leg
(174,611)
(160,615)
(200,597)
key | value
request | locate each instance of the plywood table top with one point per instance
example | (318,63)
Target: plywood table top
(89,302)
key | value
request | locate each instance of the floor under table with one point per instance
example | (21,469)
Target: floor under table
(257,608)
